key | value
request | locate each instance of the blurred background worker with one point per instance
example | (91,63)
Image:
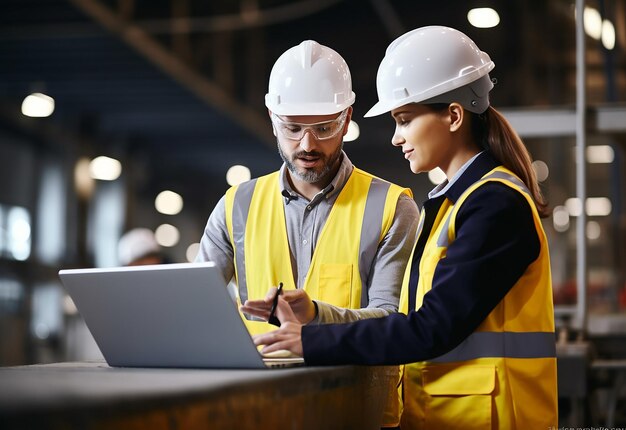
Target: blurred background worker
(138,247)
(336,237)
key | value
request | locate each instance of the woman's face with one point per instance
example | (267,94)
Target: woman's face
(424,136)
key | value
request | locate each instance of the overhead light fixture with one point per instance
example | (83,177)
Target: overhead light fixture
(574,208)
(167,235)
(599,206)
(436,176)
(592,22)
(593,230)
(483,17)
(105,168)
(608,34)
(560,218)
(598,28)
(237,174)
(192,252)
(353,132)
(37,105)
(594,206)
(598,154)
(168,202)
(541,170)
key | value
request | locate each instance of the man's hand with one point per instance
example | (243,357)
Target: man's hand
(301,305)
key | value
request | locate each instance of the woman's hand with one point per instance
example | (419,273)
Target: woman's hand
(302,306)
(287,337)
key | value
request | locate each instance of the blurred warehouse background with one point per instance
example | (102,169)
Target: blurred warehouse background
(122,114)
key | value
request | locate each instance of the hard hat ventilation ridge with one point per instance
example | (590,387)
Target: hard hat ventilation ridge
(306,53)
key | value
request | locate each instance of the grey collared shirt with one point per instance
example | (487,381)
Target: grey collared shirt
(305,220)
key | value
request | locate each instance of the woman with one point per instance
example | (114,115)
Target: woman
(477,327)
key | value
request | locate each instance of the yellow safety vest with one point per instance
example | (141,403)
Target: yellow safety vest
(503,376)
(359,219)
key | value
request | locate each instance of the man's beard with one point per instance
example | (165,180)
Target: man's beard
(311,176)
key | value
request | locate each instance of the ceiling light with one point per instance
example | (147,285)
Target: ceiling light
(598,206)
(560,218)
(483,17)
(600,154)
(192,252)
(574,208)
(594,206)
(608,34)
(541,170)
(166,235)
(38,105)
(105,168)
(353,132)
(592,22)
(436,176)
(168,202)
(593,230)
(237,174)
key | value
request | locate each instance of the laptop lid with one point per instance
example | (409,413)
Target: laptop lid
(170,315)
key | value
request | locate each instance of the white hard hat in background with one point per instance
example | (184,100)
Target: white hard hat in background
(433,65)
(309,79)
(136,244)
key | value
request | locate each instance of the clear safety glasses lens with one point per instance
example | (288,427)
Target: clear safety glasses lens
(321,130)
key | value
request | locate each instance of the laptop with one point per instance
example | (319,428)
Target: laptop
(169,315)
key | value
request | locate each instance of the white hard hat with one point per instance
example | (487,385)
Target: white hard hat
(309,79)
(433,65)
(136,244)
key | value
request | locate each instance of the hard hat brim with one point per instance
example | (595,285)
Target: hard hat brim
(298,109)
(383,106)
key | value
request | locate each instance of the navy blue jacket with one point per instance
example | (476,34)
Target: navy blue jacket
(496,241)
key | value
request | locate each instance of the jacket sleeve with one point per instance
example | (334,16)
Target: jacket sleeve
(496,241)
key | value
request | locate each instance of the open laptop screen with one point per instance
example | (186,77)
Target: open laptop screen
(171,315)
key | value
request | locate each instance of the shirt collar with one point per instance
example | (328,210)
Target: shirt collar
(469,173)
(445,185)
(335,186)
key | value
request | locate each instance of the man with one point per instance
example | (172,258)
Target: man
(318,215)
(336,237)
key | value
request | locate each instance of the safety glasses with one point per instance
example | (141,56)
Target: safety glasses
(321,130)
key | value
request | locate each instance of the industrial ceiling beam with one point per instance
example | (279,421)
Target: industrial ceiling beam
(389,17)
(250,16)
(561,121)
(200,85)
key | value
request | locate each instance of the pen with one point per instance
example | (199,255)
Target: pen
(272,318)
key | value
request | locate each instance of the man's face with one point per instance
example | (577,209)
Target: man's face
(309,156)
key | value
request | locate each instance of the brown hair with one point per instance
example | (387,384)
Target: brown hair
(493,131)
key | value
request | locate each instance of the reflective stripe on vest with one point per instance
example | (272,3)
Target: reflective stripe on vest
(484,344)
(443,240)
(370,231)
(243,197)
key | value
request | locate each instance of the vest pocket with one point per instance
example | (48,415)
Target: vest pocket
(458,397)
(335,284)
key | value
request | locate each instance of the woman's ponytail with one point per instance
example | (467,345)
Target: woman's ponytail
(494,132)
